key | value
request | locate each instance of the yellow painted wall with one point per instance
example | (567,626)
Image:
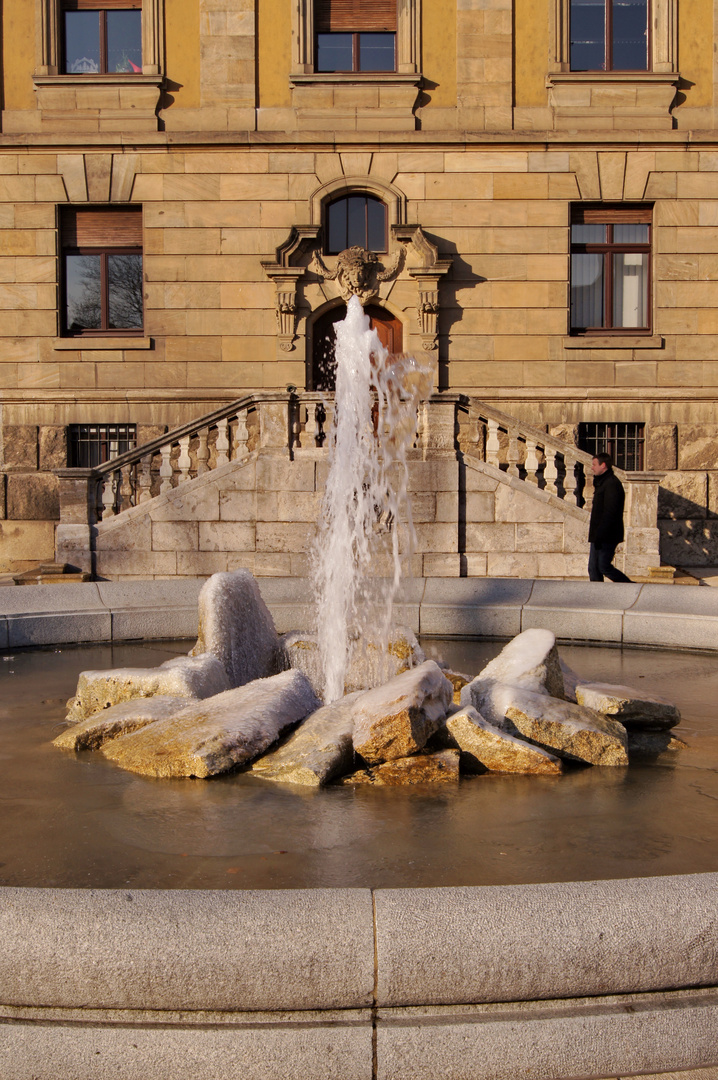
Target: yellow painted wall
(531,48)
(439,50)
(182,50)
(696,31)
(18,54)
(274,53)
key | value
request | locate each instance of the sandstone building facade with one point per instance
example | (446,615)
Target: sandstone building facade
(536,181)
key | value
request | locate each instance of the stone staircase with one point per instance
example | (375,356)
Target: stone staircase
(241,487)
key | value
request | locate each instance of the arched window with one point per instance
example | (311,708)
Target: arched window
(356,220)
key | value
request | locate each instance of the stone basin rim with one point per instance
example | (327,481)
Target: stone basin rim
(368,997)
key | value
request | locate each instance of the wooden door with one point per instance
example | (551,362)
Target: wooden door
(387,326)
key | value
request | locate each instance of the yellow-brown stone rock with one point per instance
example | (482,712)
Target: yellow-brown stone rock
(441,767)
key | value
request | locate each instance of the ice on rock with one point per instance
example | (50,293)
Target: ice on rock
(118,720)
(236,626)
(530,660)
(320,749)
(486,747)
(184,677)
(634,708)
(439,767)
(397,719)
(212,736)
(368,664)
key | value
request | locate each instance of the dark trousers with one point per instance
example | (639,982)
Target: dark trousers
(599,564)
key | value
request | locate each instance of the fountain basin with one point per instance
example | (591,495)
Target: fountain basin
(592,979)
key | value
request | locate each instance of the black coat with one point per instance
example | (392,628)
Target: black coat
(606,526)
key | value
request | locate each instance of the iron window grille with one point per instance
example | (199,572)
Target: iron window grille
(90,445)
(623,441)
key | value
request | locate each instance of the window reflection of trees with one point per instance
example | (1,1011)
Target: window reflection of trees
(85,288)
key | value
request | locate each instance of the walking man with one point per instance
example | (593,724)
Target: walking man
(605,531)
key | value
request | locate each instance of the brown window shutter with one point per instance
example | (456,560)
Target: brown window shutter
(333,15)
(105,5)
(611,215)
(101,228)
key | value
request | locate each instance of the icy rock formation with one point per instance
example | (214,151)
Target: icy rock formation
(320,749)
(396,720)
(634,708)
(531,661)
(212,736)
(235,625)
(489,748)
(184,677)
(440,767)
(118,720)
(368,665)
(567,730)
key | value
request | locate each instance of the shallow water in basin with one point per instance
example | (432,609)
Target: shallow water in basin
(75,820)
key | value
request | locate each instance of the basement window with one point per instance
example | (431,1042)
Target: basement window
(90,445)
(624,442)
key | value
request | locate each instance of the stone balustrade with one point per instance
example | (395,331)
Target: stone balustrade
(521,509)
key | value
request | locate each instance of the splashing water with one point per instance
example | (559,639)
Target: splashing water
(365,521)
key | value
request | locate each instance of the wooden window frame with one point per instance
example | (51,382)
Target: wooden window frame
(356,47)
(50,45)
(608,43)
(366,196)
(101,7)
(407,47)
(610,216)
(103,250)
(663,43)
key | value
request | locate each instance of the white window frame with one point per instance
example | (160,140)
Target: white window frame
(50,46)
(408,41)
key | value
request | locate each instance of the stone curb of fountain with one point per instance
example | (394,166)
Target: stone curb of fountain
(648,615)
(593,979)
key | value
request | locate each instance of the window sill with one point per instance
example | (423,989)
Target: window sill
(113,79)
(617,341)
(556,78)
(365,78)
(126,342)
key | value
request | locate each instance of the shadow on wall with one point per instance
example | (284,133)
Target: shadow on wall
(461,276)
(687,520)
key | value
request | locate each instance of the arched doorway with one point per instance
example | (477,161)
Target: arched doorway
(387,326)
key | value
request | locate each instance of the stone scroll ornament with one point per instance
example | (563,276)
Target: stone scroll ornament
(358,272)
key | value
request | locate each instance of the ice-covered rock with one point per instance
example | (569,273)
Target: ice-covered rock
(212,736)
(568,730)
(440,767)
(184,676)
(647,743)
(634,708)
(236,626)
(368,664)
(118,720)
(570,681)
(488,747)
(530,660)
(458,681)
(396,719)
(320,749)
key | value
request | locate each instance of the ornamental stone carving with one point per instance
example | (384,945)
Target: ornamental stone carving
(358,272)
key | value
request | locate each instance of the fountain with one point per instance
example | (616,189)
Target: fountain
(374,426)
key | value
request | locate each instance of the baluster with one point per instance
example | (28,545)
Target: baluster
(551,472)
(125,486)
(572,481)
(328,422)
(166,470)
(144,479)
(513,455)
(184,461)
(109,489)
(295,424)
(492,443)
(311,431)
(240,437)
(532,461)
(202,452)
(588,487)
(222,447)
